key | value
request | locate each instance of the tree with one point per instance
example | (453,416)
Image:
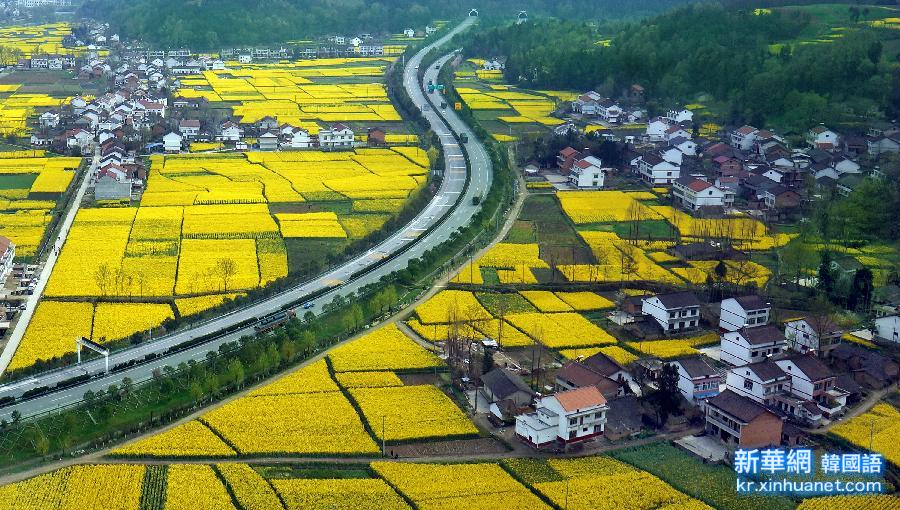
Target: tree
(225,269)
(487,361)
(860,296)
(236,372)
(826,275)
(103,276)
(666,399)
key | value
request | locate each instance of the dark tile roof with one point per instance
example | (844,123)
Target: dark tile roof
(678,300)
(696,367)
(578,375)
(504,383)
(742,408)
(766,370)
(846,383)
(753,302)
(601,364)
(810,365)
(762,335)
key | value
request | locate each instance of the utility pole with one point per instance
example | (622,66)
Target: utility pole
(382,437)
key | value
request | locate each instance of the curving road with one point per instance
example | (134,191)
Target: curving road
(431,227)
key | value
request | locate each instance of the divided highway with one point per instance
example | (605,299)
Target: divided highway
(431,227)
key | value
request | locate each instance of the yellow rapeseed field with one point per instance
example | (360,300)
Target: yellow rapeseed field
(250,490)
(411,412)
(585,301)
(559,330)
(191,439)
(98,487)
(450,486)
(188,485)
(386,348)
(338,494)
(546,301)
(881,424)
(451,305)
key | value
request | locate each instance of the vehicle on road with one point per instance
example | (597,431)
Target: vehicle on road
(270,322)
(307,305)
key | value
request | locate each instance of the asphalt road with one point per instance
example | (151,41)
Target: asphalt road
(391,255)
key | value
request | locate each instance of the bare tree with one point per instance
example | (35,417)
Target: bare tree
(225,269)
(103,276)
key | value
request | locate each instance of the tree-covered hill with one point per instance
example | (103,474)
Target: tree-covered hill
(735,58)
(209,24)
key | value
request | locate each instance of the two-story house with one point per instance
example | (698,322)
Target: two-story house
(229,132)
(674,312)
(597,370)
(566,158)
(566,417)
(189,128)
(816,334)
(743,312)
(693,193)
(587,172)
(761,382)
(697,379)
(811,380)
(656,171)
(751,345)
(339,136)
(7,254)
(740,421)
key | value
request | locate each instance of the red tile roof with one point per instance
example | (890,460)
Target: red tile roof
(580,398)
(699,185)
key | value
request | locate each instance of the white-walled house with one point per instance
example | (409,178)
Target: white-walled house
(172,142)
(888,328)
(656,171)
(818,335)
(338,136)
(300,139)
(820,137)
(743,312)
(7,254)
(566,417)
(587,172)
(229,132)
(680,115)
(673,312)
(812,380)
(743,137)
(656,129)
(693,193)
(759,381)
(697,379)
(752,345)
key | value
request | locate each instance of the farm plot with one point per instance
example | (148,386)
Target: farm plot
(208,228)
(30,186)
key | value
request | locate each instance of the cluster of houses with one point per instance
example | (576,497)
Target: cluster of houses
(593,106)
(768,384)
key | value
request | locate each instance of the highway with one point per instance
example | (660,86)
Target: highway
(429,228)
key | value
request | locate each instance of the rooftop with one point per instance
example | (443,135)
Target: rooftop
(581,398)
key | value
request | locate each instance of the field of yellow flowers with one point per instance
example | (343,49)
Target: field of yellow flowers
(99,487)
(328,494)
(203,232)
(189,484)
(191,439)
(881,424)
(30,184)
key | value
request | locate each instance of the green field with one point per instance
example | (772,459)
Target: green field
(17,181)
(713,484)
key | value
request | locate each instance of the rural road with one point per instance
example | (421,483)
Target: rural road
(432,226)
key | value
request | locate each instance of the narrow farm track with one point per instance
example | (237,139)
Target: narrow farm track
(32,302)
(450,209)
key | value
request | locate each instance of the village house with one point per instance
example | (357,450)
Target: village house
(564,418)
(656,129)
(820,137)
(587,103)
(299,139)
(339,136)
(743,312)
(268,141)
(110,188)
(587,172)
(189,128)
(49,120)
(740,421)
(815,334)
(752,345)
(887,328)
(866,367)
(879,145)
(761,381)
(566,158)
(693,193)
(172,142)
(743,137)
(229,132)
(697,379)
(7,254)
(598,370)
(656,171)
(501,384)
(674,312)
(812,381)
(375,137)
